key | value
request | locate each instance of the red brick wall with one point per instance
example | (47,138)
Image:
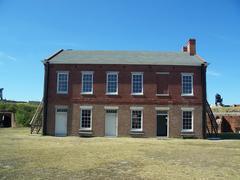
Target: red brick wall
(124,97)
(124,100)
(124,120)
(230,123)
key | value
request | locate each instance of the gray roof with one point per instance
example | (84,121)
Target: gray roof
(125,57)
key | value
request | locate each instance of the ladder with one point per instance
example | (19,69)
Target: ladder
(37,119)
(213,129)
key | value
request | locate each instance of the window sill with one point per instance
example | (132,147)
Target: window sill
(85,132)
(187,131)
(136,132)
(187,95)
(86,93)
(63,93)
(162,94)
(137,94)
(111,94)
(187,134)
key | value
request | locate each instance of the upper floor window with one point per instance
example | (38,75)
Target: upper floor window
(137,83)
(112,83)
(87,82)
(62,82)
(187,84)
(187,120)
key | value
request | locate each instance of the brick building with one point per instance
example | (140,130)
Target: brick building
(125,93)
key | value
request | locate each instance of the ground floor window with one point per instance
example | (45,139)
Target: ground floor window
(86,119)
(187,120)
(137,118)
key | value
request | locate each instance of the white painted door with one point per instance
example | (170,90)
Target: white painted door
(61,122)
(111,124)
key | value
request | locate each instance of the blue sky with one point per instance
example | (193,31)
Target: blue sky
(33,30)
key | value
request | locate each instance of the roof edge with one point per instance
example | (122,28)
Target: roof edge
(202,60)
(52,56)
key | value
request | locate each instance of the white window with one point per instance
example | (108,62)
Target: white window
(136,120)
(87,82)
(112,83)
(187,120)
(187,84)
(86,118)
(62,82)
(137,83)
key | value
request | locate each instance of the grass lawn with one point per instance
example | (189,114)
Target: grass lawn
(25,156)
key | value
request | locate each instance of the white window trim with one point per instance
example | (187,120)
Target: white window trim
(85,108)
(187,74)
(192,110)
(162,108)
(111,93)
(62,72)
(61,107)
(137,73)
(57,107)
(83,73)
(111,107)
(137,109)
(187,109)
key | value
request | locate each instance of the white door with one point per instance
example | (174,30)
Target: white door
(111,123)
(61,122)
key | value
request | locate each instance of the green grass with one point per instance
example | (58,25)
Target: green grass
(24,156)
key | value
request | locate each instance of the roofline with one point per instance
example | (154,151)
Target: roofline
(52,56)
(202,60)
(132,64)
(61,50)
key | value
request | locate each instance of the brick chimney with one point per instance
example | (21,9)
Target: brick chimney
(190,47)
(184,49)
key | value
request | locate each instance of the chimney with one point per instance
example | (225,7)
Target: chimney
(184,49)
(190,47)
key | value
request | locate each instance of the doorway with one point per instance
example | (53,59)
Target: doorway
(61,122)
(5,120)
(162,123)
(111,123)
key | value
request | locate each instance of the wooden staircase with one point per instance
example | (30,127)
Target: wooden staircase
(213,129)
(37,120)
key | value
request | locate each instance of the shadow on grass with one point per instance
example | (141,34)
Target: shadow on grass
(226,135)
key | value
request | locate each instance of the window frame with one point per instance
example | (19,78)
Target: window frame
(137,109)
(87,73)
(66,73)
(134,93)
(85,108)
(187,74)
(111,73)
(192,111)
